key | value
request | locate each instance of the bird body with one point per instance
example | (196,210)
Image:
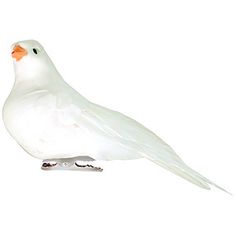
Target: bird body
(50,119)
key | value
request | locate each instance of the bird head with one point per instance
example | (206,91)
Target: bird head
(24,50)
(31,60)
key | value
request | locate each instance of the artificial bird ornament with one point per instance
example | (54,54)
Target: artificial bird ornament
(53,122)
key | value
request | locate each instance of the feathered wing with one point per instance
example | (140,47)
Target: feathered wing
(132,135)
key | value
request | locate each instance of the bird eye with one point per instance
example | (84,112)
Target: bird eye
(35,51)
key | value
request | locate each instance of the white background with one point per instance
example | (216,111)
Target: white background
(168,64)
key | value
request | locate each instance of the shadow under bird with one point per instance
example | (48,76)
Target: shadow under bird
(52,121)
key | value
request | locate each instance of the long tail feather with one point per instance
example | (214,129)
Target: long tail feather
(206,180)
(187,173)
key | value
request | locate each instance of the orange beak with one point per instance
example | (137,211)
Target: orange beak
(18,52)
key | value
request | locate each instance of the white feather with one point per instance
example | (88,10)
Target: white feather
(49,119)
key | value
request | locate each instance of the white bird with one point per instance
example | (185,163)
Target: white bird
(53,122)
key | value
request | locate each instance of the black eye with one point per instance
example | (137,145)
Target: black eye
(35,51)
